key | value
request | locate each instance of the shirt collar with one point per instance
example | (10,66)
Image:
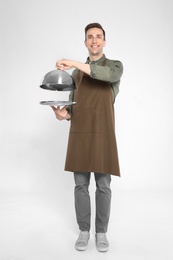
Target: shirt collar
(96,61)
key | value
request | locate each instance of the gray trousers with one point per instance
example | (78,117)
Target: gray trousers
(102,198)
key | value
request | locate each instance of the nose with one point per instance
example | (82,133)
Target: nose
(94,39)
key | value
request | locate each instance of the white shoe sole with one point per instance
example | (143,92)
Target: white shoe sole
(102,249)
(83,248)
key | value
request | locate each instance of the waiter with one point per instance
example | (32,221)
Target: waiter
(92,142)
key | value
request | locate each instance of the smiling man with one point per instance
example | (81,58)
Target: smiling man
(92,142)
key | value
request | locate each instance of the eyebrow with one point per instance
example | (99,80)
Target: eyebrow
(89,35)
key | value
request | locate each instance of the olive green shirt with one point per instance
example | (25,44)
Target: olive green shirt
(111,73)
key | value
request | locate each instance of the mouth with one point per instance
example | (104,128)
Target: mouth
(94,46)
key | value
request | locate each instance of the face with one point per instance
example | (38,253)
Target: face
(95,42)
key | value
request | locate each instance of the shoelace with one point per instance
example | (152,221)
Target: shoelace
(83,237)
(101,238)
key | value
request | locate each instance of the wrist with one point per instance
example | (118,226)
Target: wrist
(75,65)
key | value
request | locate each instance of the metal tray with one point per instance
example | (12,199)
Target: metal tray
(58,103)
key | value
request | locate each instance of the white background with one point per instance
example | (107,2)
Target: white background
(37,218)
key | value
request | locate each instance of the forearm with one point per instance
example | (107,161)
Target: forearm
(82,66)
(68,64)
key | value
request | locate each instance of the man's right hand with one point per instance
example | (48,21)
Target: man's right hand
(61,114)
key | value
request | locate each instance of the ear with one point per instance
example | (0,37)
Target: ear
(85,43)
(104,43)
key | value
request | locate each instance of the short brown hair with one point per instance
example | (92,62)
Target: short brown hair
(95,25)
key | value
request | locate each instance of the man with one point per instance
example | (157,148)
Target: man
(92,143)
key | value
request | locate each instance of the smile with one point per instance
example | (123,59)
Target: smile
(94,46)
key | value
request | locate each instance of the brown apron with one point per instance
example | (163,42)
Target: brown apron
(92,143)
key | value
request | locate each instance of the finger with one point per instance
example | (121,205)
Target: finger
(63,108)
(64,68)
(54,108)
(58,63)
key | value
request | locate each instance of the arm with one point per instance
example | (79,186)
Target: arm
(68,64)
(112,72)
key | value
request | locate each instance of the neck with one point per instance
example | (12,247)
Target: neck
(95,57)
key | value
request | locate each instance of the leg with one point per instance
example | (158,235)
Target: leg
(103,201)
(82,200)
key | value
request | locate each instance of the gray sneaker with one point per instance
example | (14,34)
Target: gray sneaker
(102,243)
(82,241)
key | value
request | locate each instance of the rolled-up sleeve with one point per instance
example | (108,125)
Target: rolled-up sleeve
(112,72)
